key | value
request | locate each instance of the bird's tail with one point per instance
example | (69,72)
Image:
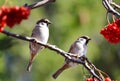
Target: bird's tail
(59,71)
(30,62)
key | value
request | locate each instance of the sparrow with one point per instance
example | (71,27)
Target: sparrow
(40,33)
(79,47)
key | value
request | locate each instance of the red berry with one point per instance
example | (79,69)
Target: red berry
(118,22)
(5,9)
(108,79)
(4,18)
(1,29)
(89,79)
(13,15)
(2,25)
(95,79)
(111,33)
(16,8)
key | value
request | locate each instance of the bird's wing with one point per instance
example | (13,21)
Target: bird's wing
(73,48)
(35,33)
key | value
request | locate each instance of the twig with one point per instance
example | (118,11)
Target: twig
(58,50)
(38,4)
(92,71)
(91,68)
(114,4)
(109,8)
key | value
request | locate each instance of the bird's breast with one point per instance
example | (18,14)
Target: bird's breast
(44,34)
(80,49)
(41,34)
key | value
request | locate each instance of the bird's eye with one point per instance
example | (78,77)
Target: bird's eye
(42,23)
(81,39)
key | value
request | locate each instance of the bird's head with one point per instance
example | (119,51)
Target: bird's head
(43,22)
(83,40)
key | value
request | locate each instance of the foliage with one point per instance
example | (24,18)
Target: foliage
(70,19)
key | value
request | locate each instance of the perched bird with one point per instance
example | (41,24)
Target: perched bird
(79,47)
(41,33)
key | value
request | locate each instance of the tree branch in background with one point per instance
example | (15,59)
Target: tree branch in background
(111,7)
(81,60)
(38,4)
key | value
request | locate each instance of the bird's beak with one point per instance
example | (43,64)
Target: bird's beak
(89,39)
(49,22)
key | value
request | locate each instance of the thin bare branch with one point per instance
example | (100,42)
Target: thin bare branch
(38,4)
(81,60)
(114,4)
(107,4)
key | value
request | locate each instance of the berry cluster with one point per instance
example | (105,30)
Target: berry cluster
(12,15)
(94,79)
(112,32)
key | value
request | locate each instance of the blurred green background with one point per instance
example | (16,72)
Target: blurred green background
(71,19)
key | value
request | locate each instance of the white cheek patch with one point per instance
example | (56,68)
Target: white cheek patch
(43,24)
